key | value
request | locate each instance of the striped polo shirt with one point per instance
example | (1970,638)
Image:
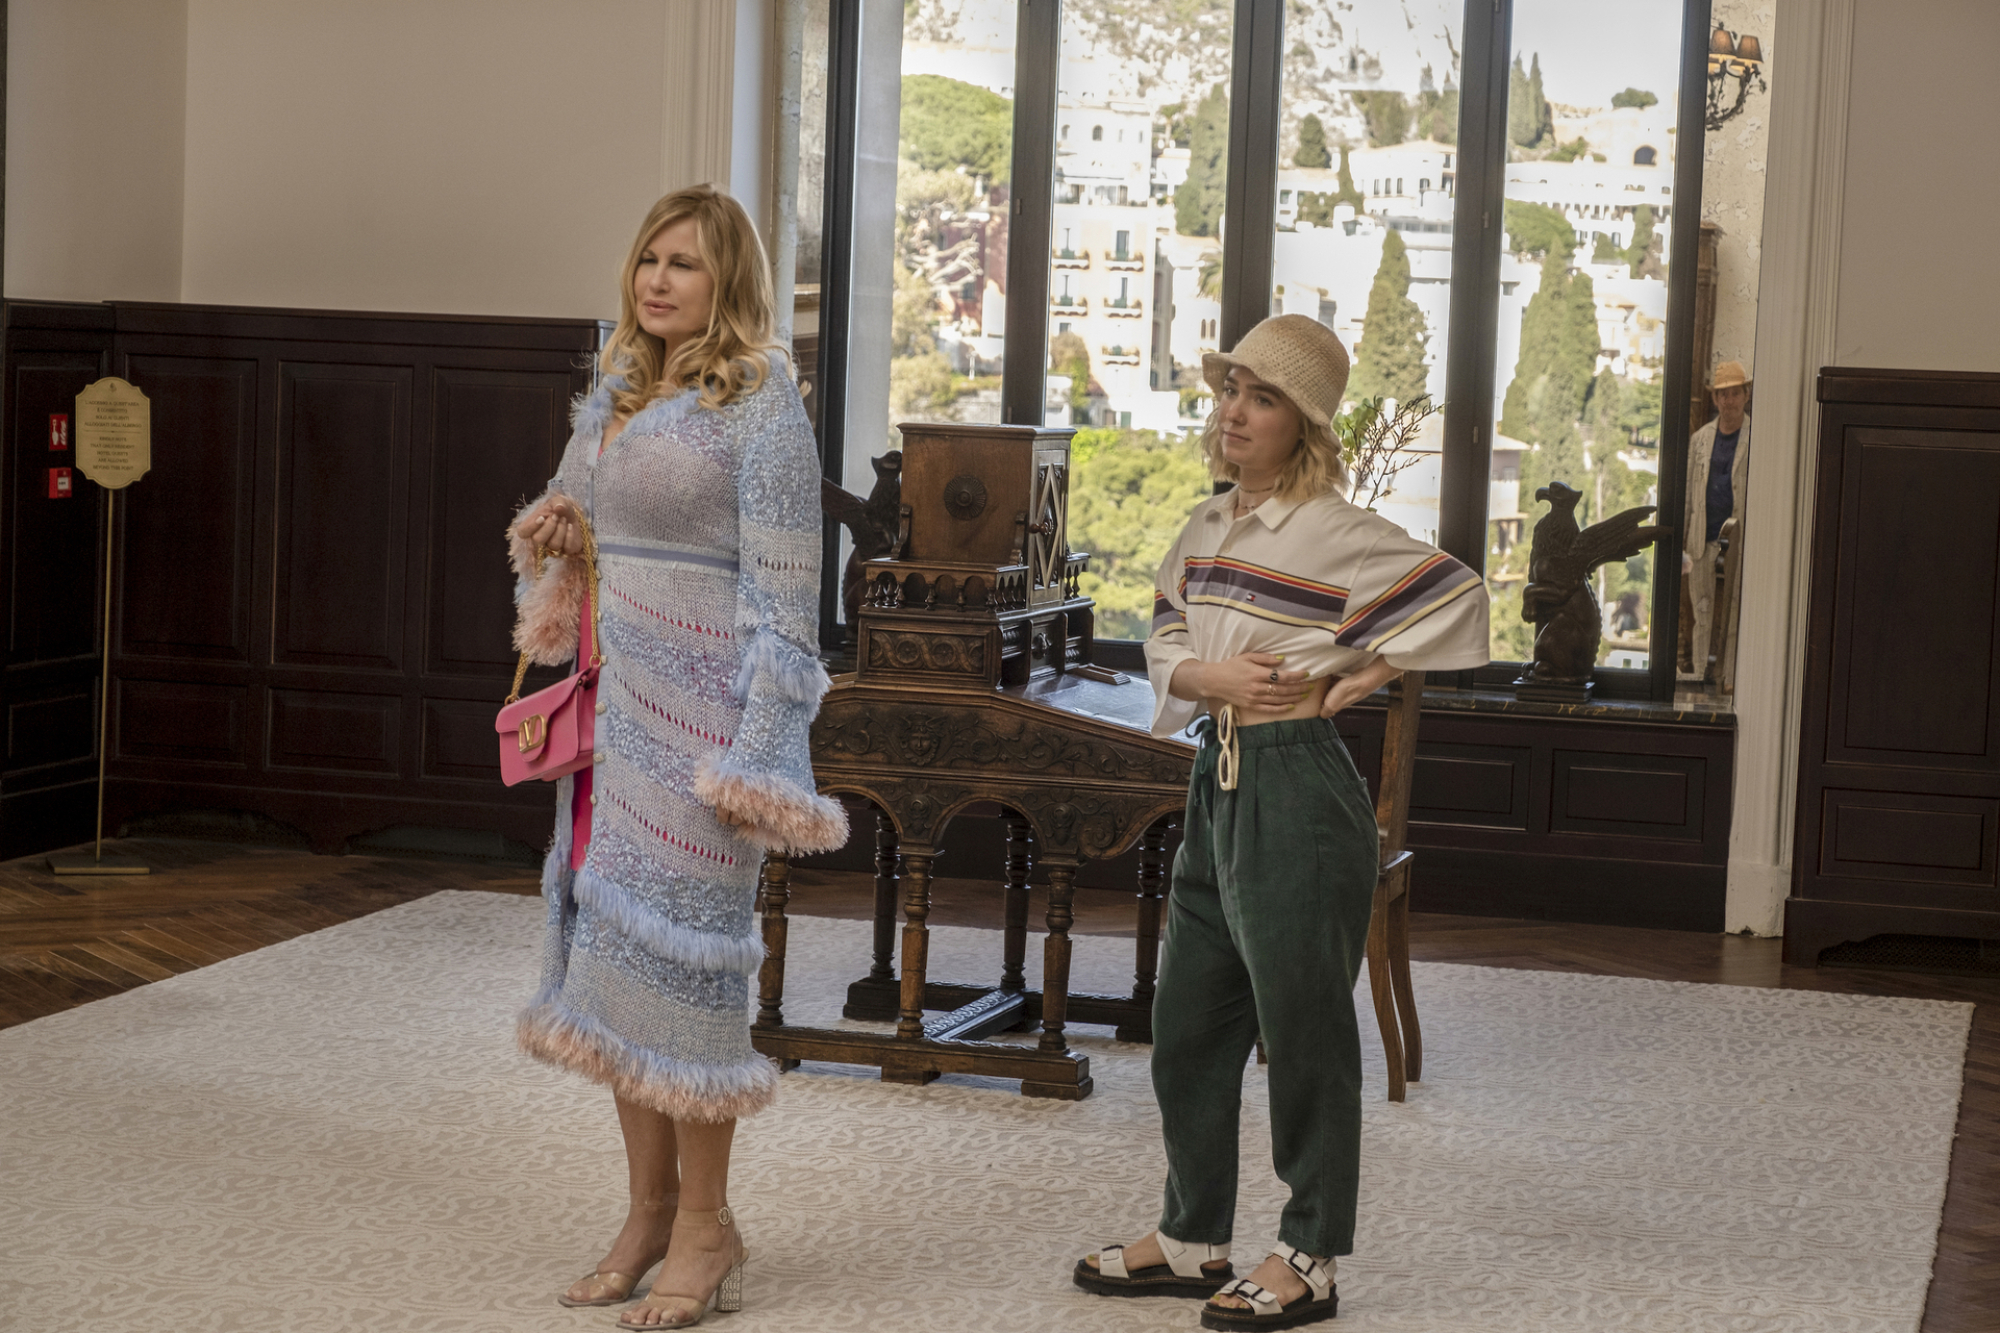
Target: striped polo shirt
(1327,583)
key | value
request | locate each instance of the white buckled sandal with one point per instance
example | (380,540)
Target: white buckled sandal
(1321,1301)
(1181,1275)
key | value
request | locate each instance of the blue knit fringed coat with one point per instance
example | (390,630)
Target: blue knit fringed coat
(708,536)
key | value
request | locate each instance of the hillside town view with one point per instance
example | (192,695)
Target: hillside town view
(1368,160)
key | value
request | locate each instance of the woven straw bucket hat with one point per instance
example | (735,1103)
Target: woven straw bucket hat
(1301,356)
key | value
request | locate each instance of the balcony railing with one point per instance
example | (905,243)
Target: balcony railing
(1123,309)
(1070,258)
(1118,356)
(1128,263)
(1075,304)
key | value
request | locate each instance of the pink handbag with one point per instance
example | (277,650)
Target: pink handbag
(553,732)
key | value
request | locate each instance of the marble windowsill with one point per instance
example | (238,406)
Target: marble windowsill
(1687,709)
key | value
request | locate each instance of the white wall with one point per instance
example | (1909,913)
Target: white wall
(451,156)
(1919,283)
(94,148)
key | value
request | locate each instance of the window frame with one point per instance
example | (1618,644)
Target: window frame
(1477,164)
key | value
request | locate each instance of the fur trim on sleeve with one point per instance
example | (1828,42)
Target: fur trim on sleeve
(797,676)
(784,818)
(550,608)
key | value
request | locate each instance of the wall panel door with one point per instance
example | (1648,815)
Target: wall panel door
(1899,750)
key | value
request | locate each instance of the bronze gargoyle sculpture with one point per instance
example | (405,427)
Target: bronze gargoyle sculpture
(1559,599)
(876,525)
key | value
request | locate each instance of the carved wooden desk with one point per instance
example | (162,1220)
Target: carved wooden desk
(1068,760)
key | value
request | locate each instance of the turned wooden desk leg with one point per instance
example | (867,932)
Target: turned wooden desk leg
(773,893)
(916,941)
(1146,960)
(1055,953)
(1012,975)
(884,967)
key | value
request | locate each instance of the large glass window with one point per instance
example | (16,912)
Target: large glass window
(1367,167)
(1140,165)
(1372,136)
(1581,351)
(953,153)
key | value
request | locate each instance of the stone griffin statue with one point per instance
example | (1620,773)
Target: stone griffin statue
(877,524)
(1558,599)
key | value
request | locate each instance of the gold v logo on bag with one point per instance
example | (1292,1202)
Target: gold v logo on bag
(534,731)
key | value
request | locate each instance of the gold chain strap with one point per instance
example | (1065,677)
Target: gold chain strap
(596,609)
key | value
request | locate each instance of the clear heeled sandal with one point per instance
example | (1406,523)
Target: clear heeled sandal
(608,1287)
(687,1311)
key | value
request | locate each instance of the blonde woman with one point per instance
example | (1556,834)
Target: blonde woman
(696,470)
(1280,605)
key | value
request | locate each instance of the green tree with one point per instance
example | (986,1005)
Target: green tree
(1437,115)
(1069,355)
(1537,229)
(1198,203)
(1130,493)
(1643,254)
(1312,145)
(1348,194)
(1637,97)
(947,125)
(1552,375)
(913,315)
(1389,360)
(1604,252)
(922,387)
(1387,114)
(1530,123)
(1571,151)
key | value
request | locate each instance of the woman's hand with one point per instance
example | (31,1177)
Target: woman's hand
(554,528)
(1353,689)
(1251,682)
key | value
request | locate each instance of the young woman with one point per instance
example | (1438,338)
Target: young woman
(1280,605)
(696,471)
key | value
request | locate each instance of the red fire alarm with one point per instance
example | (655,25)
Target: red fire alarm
(59,487)
(58,432)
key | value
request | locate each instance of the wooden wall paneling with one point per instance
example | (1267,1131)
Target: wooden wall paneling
(323,637)
(194,513)
(343,485)
(50,595)
(1898,815)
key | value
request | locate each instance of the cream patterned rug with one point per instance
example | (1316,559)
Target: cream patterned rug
(336,1133)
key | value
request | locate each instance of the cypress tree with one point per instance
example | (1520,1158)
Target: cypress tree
(1348,194)
(1544,403)
(1312,145)
(1545,124)
(1389,360)
(1198,203)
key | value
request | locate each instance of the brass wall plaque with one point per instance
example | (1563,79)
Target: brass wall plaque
(114,433)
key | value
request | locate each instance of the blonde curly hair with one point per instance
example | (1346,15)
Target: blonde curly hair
(732,356)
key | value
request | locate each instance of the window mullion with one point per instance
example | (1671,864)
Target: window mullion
(1477,223)
(1677,380)
(1037,74)
(1250,197)
(843,94)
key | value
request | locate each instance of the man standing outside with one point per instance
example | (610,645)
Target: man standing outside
(1718,463)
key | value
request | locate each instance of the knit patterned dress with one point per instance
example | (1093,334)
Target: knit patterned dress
(708,534)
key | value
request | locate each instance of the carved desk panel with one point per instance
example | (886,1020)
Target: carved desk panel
(1070,763)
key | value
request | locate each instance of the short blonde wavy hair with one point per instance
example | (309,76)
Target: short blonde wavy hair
(1314,468)
(733,355)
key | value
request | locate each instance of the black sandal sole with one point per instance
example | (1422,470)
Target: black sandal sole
(1139,1284)
(1291,1316)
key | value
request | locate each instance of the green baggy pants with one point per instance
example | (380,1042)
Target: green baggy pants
(1267,925)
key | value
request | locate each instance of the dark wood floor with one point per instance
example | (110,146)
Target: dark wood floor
(65,942)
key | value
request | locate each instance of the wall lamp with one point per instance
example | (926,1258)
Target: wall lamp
(1732,57)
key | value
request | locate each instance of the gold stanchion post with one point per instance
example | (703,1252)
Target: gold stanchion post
(114,448)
